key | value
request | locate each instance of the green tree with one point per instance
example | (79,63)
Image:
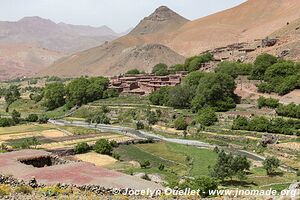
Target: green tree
(145,164)
(103,146)
(140,125)
(207,116)
(77,92)
(54,96)
(110,93)
(82,147)
(134,71)
(151,117)
(179,96)
(160,69)
(15,115)
(12,94)
(160,97)
(215,90)
(32,118)
(204,184)
(261,64)
(271,164)
(180,123)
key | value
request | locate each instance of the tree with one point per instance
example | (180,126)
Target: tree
(96,87)
(103,146)
(180,123)
(6,122)
(261,64)
(82,147)
(271,164)
(194,63)
(32,118)
(77,92)
(99,118)
(12,94)
(264,102)
(134,71)
(193,79)
(160,97)
(215,90)
(228,166)
(43,119)
(179,96)
(234,68)
(110,93)
(54,96)
(160,69)
(15,115)
(204,184)
(240,123)
(207,116)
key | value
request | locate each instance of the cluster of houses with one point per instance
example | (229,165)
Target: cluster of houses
(144,84)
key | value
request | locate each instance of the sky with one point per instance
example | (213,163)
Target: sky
(120,15)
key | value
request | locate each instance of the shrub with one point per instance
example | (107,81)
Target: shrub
(116,156)
(82,147)
(5,190)
(271,164)
(161,167)
(32,118)
(145,164)
(160,69)
(207,117)
(24,189)
(43,119)
(180,123)
(140,125)
(6,122)
(134,71)
(103,146)
(264,102)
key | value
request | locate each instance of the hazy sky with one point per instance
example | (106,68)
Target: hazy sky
(117,14)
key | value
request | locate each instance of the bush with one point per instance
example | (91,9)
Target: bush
(204,184)
(145,164)
(140,125)
(207,117)
(103,146)
(43,119)
(271,164)
(134,71)
(82,147)
(270,103)
(161,167)
(116,156)
(6,122)
(32,118)
(160,69)
(180,123)
(5,190)
(291,110)
(261,64)
(24,189)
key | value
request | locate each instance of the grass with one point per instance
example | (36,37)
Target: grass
(25,128)
(174,156)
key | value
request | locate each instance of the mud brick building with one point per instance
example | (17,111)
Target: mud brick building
(144,84)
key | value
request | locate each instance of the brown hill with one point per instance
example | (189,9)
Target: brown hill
(23,60)
(254,19)
(56,37)
(135,50)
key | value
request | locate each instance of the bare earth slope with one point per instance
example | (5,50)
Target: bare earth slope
(254,19)
(56,37)
(251,20)
(135,50)
(23,60)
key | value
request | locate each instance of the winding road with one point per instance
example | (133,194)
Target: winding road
(148,135)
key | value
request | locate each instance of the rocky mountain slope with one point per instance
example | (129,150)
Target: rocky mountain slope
(138,50)
(243,23)
(56,37)
(33,43)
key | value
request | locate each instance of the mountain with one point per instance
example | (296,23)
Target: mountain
(135,50)
(22,60)
(56,37)
(33,43)
(162,20)
(249,21)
